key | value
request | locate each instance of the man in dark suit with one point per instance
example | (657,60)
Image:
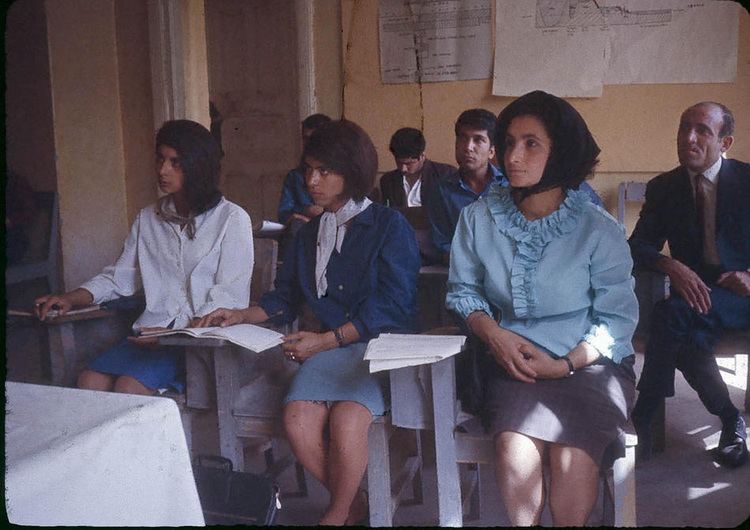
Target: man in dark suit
(402,187)
(702,209)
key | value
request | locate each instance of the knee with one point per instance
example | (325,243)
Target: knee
(673,313)
(91,380)
(128,385)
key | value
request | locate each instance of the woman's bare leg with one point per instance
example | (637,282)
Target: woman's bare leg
(347,460)
(518,471)
(305,423)
(91,380)
(574,478)
(129,385)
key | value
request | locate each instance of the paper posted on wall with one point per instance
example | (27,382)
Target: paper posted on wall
(248,336)
(393,350)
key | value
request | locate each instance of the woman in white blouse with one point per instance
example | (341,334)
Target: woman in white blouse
(191,251)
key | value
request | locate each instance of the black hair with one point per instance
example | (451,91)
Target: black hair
(314,121)
(479,119)
(407,143)
(347,149)
(200,160)
(574,151)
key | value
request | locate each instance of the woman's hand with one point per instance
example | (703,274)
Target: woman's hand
(545,366)
(302,345)
(513,352)
(43,304)
(219,317)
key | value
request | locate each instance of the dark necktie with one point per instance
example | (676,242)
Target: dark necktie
(700,206)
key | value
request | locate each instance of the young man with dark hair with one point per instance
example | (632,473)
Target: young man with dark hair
(402,187)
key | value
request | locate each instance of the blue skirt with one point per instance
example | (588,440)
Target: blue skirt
(155,368)
(340,374)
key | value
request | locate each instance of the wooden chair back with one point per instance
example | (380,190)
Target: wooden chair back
(264,271)
(630,191)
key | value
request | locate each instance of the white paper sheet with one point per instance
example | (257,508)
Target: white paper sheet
(573,47)
(428,41)
(394,350)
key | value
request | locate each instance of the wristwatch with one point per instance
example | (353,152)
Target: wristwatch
(571,369)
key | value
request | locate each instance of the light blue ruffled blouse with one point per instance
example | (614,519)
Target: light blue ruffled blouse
(556,281)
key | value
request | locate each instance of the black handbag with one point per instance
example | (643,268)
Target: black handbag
(233,497)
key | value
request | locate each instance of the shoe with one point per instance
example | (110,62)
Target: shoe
(732,451)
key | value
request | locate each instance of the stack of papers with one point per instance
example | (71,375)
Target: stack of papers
(392,350)
(249,336)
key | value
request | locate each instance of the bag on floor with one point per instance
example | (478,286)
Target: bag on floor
(234,497)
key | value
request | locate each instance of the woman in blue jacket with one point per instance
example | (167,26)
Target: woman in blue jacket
(351,274)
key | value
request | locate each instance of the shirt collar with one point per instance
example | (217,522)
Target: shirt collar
(712,173)
(497,176)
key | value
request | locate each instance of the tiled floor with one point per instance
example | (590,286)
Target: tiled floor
(681,487)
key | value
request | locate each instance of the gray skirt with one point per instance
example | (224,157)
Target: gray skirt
(586,410)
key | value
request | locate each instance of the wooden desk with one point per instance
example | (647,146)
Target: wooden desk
(424,397)
(84,458)
(62,344)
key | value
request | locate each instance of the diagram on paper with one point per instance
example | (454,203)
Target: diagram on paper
(574,47)
(589,14)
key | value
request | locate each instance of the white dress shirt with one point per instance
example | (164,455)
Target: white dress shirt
(413,193)
(709,183)
(182,278)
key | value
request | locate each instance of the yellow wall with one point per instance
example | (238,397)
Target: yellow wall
(134,79)
(327,44)
(87,134)
(635,125)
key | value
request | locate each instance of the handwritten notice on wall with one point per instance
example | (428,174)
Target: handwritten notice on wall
(435,40)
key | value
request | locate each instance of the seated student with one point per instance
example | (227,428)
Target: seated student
(402,187)
(542,278)
(295,203)
(191,251)
(475,150)
(354,271)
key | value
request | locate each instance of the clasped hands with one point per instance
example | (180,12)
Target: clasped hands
(521,359)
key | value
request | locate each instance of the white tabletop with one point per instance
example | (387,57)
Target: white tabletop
(79,457)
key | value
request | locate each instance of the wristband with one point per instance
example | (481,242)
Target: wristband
(571,369)
(339,336)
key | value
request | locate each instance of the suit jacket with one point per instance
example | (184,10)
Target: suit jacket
(392,184)
(669,214)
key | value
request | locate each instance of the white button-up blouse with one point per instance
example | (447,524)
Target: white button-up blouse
(182,278)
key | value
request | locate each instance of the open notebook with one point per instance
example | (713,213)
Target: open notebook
(249,336)
(393,350)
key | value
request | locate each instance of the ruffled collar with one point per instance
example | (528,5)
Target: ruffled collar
(531,237)
(511,221)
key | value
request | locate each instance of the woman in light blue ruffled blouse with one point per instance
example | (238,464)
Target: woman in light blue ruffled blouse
(542,277)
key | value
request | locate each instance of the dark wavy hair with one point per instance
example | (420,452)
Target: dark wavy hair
(574,151)
(200,160)
(346,148)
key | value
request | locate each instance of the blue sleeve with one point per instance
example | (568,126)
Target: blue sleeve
(392,304)
(466,274)
(614,309)
(441,227)
(283,303)
(294,196)
(585,186)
